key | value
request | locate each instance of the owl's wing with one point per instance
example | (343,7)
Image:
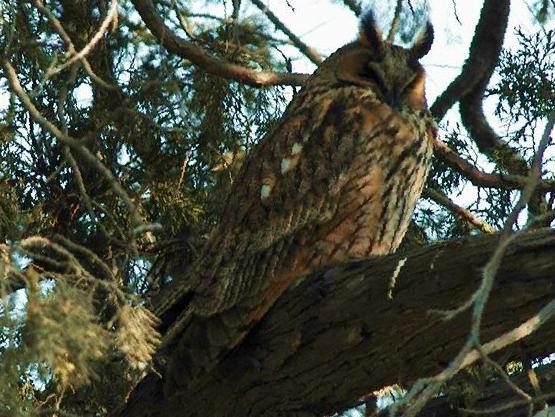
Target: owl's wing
(295,187)
(288,189)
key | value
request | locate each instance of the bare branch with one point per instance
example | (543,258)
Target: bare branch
(395,22)
(459,211)
(480,178)
(81,56)
(469,87)
(309,52)
(112,16)
(482,58)
(207,62)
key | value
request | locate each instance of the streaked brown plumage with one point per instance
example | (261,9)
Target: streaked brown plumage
(337,178)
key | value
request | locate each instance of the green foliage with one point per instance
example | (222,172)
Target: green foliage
(526,89)
(61,328)
(54,339)
(163,133)
(9,212)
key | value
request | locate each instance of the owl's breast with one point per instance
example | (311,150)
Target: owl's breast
(379,190)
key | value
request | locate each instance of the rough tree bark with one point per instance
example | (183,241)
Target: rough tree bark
(337,336)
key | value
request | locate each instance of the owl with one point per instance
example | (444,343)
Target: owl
(337,178)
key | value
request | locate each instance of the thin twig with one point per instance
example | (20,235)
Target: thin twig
(83,192)
(480,178)
(56,24)
(395,22)
(504,376)
(110,17)
(459,211)
(455,11)
(309,52)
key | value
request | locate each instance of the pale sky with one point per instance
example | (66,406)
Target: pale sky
(327,26)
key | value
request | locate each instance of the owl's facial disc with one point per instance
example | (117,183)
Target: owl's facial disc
(392,72)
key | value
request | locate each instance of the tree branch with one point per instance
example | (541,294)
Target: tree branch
(354,5)
(309,52)
(482,58)
(73,54)
(480,178)
(395,22)
(497,398)
(459,211)
(337,336)
(469,87)
(203,59)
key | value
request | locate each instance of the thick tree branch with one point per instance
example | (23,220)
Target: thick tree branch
(483,56)
(203,59)
(469,87)
(487,140)
(337,336)
(480,178)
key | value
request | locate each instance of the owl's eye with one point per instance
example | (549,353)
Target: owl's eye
(413,83)
(354,68)
(413,91)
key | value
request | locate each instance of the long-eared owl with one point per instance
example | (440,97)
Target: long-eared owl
(337,178)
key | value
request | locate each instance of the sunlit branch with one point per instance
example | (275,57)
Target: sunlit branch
(111,17)
(480,178)
(457,210)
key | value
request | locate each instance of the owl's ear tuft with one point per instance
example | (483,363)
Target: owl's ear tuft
(423,42)
(370,36)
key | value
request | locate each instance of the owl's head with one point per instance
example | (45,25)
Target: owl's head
(392,72)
